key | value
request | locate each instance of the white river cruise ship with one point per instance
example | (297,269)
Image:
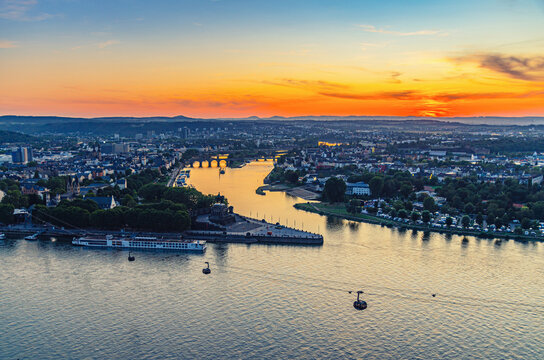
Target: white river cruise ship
(140,242)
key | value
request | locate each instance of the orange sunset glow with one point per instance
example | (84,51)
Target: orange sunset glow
(237,59)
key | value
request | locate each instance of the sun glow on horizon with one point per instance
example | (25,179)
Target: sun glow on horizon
(214,59)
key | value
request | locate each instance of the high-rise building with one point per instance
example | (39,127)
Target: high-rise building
(115,148)
(185,132)
(22,155)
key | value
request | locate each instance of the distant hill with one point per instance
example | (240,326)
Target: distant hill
(15,137)
(140,125)
(17,119)
(488,120)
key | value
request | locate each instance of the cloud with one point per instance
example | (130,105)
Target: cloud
(414,95)
(517,67)
(386,95)
(100,45)
(19,10)
(307,84)
(107,43)
(231,104)
(373,29)
(6,44)
(243,103)
(366,45)
(395,77)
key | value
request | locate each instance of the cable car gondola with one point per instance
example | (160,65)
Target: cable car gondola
(206,270)
(359,304)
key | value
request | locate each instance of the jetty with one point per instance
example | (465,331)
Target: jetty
(248,230)
(238,229)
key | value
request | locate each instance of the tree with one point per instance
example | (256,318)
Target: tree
(402,214)
(334,190)
(128,201)
(469,208)
(188,154)
(291,176)
(429,204)
(152,192)
(6,213)
(414,216)
(479,218)
(406,189)
(538,209)
(376,186)
(465,221)
(15,198)
(426,216)
(449,221)
(57,185)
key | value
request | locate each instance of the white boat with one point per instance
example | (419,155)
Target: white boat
(2,236)
(32,237)
(140,242)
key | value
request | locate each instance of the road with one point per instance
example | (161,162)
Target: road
(173,177)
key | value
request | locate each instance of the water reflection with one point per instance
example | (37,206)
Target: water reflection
(354,226)
(162,307)
(426,236)
(335,223)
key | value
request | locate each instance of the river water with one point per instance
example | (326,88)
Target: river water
(267,301)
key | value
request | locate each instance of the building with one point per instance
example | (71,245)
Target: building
(358,188)
(114,148)
(221,214)
(72,186)
(184,132)
(22,155)
(29,189)
(122,183)
(104,202)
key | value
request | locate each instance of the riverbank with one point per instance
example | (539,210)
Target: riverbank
(340,211)
(278,187)
(293,190)
(243,229)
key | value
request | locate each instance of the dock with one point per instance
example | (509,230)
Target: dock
(243,230)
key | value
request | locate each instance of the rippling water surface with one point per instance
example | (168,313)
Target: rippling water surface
(263,301)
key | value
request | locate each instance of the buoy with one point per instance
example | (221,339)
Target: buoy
(206,270)
(434,295)
(359,304)
(130,257)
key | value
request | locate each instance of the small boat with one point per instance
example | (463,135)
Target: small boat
(131,257)
(32,237)
(222,171)
(2,236)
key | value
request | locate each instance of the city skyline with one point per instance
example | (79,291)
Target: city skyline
(238,58)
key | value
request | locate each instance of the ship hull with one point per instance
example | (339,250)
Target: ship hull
(197,246)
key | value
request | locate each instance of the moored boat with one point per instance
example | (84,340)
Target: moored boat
(32,237)
(140,242)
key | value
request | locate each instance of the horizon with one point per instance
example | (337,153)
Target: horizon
(295,117)
(218,59)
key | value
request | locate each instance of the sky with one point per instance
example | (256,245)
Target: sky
(234,58)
